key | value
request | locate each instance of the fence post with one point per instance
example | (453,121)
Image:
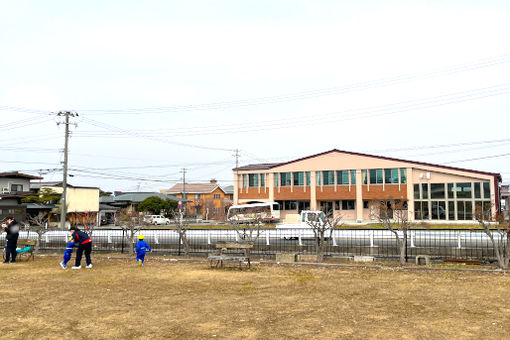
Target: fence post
(156,239)
(371,238)
(208,237)
(267,237)
(459,245)
(333,237)
(299,238)
(412,239)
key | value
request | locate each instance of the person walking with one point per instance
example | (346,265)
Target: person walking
(141,248)
(12,230)
(84,243)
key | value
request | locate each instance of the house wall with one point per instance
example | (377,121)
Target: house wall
(207,201)
(80,199)
(6,182)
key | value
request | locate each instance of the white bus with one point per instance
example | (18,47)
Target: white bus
(246,213)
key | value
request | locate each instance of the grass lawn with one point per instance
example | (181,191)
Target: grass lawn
(189,300)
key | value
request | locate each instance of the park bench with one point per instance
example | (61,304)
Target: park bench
(231,251)
(22,244)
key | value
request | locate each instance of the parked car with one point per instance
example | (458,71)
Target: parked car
(157,219)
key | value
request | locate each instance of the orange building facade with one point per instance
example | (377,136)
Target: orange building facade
(207,200)
(352,185)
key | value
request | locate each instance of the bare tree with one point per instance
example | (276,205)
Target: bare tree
(395,218)
(498,231)
(38,224)
(131,222)
(182,227)
(322,227)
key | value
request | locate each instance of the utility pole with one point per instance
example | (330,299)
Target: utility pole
(183,183)
(236,183)
(237,155)
(63,208)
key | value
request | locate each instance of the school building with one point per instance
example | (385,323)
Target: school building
(353,185)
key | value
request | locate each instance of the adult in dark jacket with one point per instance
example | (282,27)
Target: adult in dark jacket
(84,243)
(12,230)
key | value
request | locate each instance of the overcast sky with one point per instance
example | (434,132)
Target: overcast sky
(164,85)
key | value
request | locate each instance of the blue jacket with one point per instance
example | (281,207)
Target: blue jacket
(69,247)
(142,247)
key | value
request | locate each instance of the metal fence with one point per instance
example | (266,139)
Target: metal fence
(441,244)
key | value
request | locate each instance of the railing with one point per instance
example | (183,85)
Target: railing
(457,244)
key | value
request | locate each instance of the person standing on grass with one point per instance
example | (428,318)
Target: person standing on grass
(84,243)
(12,230)
(141,249)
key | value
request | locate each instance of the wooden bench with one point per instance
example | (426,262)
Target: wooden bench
(23,243)
(231,251)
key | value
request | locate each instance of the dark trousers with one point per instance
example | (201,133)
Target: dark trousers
(87,247)
(10,249)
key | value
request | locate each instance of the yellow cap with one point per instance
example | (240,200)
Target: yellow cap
(140,237)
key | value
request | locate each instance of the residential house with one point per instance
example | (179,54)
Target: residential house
(14,186)
(130,200)
(207,200)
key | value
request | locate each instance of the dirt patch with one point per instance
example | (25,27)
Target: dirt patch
(176,300)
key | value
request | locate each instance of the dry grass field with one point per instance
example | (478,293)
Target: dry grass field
(188,300)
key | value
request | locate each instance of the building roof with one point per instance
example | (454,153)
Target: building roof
(267,166)
(39,185)
(193,188)
(16,174)
(135,197)
(229,189)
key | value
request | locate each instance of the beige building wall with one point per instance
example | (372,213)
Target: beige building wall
(80,199)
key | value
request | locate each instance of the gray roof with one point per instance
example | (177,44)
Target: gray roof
(135,197)
(229,189)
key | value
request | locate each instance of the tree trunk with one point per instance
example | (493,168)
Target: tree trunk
(403,247)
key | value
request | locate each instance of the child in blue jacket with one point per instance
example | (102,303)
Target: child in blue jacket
(141,248)
(67,253)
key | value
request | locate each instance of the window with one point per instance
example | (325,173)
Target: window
(376,176)
(308,178)
(403,175)
(289,205)
(303,205)
(437,190)
(318,175)
(365,204)
(253,180)
(425,191)
(464,190)
(416,191)
(298,179)
(263,180)
(276,181)
(328,178)
(285,179)
(197,196)
(391,176)
(364,176)
(347,204)
(245,181)
(16,187)
(342,177)
(451,210)
(353,177)
(450,190)
(486,190)
(217,196)
(478,193)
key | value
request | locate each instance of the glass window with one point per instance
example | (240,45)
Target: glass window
(318,175)
(328,177)
(391,176)
(197,196)
(365,204)
(308,178)
(298,179)
(364,176)
(437,190)
(285,179)
(478,192)
(245,181)
(290,205)
(450,190)
(464,190)
(416,191)
(451,210)
(342,177)
(376,176)
(276,180)
(486,190)
(403,175)
(347,204)
(425,190)
(303,205)
(460,210)
(353,177)
(263,180)
(253,180)
(469,210)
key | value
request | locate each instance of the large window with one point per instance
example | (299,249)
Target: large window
(450,190)
(298,179)
(425,191)
(263,180)
(486,190)
(403,175)
(353,177)
(464,190)
(342,177)
(285,179)
(478,190)
(364,176)
(376,176)
(328,178)
(308,178)
(347,204)
(437,190)
(245,181)
(391,176)
(416,191)
(276,180)
(253,180)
